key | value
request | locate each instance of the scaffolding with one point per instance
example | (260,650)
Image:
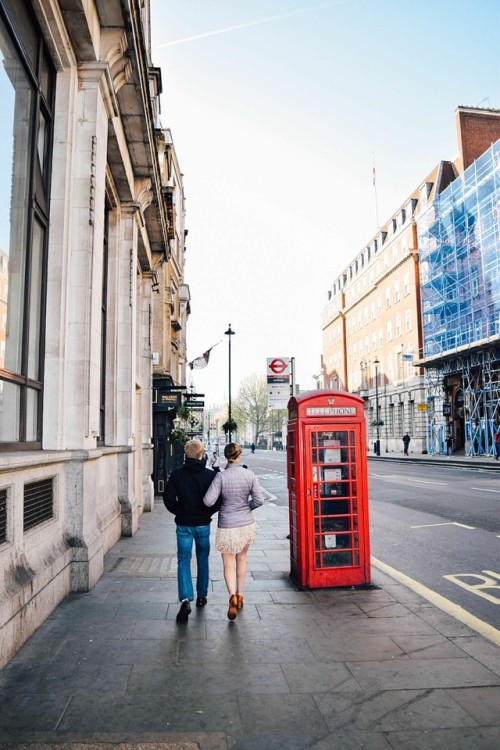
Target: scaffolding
(480,384)
(459,261)
(436,423)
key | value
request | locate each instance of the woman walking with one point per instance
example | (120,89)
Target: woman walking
(240,494)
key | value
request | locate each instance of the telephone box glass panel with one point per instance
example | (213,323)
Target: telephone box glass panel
(335,506)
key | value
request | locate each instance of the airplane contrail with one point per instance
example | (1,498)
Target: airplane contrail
(250,23)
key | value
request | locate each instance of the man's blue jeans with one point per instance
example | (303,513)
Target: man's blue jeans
(185,537)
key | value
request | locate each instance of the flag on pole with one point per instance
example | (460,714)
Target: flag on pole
(374,174)
(200,362)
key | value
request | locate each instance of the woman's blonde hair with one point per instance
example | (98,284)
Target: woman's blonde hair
(232,451)
(194,449)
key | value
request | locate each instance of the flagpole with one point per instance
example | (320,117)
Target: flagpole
(229,333)
(375,188)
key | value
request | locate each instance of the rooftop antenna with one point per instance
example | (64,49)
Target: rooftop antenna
(486,99)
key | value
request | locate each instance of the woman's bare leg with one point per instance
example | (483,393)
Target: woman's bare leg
(241,569)
(229,563)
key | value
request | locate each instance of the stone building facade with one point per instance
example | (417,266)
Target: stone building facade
(87,231)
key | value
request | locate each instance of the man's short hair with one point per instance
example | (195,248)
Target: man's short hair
(194,449)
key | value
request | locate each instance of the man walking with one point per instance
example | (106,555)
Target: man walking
(183,496)
(449,445)
(406,443)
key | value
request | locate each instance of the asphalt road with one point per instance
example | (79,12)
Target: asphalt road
(438,525)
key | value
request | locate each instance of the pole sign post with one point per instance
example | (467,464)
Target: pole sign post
(278,382)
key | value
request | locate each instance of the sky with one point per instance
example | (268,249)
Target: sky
(280,110)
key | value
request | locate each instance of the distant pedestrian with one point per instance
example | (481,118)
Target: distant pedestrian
(406,443)
(252,447)
(449,445)
(241,493)
(183,497)
(497,444)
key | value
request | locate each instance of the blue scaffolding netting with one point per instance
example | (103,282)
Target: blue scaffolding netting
(459,260)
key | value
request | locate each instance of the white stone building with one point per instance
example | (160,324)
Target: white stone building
(84,226)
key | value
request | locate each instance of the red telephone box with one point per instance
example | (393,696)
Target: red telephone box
(328,490)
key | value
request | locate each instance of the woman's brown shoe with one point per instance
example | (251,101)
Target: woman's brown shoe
(239,597)
(233,607)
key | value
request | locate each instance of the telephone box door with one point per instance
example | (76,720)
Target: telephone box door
(336,534)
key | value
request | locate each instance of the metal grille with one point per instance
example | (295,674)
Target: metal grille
(3,516)
(38,503)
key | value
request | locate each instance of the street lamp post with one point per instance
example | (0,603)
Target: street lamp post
(229,333)
(377,420)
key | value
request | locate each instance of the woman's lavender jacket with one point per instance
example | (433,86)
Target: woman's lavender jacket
(241,493)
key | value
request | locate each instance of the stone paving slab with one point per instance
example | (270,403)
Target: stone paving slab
(258,651)
(136,714)
(428,647)
(482,651)
(463,738)
(482,703)
(404,675)
(343,740)
(391,710)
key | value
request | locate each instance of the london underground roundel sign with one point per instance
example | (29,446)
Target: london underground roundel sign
(278,366)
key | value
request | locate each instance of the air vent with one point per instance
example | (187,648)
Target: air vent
(38,503)
(3,516)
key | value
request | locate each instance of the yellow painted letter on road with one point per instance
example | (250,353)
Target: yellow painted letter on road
(479,583)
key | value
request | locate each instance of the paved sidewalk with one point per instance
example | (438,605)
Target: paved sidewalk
(380,669)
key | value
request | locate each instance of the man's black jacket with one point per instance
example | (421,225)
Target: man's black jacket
(185,490)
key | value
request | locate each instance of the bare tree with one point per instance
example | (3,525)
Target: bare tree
(250,407)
